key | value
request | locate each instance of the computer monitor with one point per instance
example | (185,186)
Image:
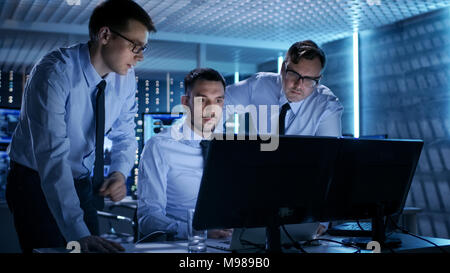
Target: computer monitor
(244,187)
(8,122)
(372,179)
(382,136)
(157,122)
(307,179)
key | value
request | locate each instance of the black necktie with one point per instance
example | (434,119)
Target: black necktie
(282,118)
(99,139)
(204,144)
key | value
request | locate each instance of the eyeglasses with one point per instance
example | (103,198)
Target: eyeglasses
(136,49)
(308,82)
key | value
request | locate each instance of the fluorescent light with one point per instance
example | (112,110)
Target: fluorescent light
(236,123)
(355,85)
(236,77)
(280,63)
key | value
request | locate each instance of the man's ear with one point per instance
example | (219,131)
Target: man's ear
(104,35)
(283,68)
(185,100)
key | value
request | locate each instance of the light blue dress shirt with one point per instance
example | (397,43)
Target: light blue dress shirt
(56,131)
(317,115)
(170,172)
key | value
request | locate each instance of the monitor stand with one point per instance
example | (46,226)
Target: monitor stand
(273,234)
(273,239)
(378,233)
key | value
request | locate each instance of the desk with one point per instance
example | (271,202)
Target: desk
(410,244)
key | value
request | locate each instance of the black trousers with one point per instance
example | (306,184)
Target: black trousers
(33,220)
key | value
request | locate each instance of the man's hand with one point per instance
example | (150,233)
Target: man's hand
(321,229)
(114,187)
(219,233)
(98,244)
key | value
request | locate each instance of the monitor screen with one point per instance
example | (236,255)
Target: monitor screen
(243,186)
(158,122)
(8,122)
(372,172)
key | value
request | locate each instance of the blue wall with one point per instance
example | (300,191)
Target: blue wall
(338,76)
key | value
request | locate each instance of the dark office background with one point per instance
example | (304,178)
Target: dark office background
(404,93)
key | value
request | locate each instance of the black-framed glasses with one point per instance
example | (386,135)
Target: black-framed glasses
(308,82)
(136,49)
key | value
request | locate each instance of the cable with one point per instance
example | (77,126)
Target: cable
(245,242)
(359,225)
(385,226)
(358,249)
(418,237)
(295,243)
(155,234)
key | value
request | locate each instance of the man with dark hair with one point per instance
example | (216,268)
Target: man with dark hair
(307,107)
(171,165)
(75,96)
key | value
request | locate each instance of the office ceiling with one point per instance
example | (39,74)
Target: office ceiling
(229,35)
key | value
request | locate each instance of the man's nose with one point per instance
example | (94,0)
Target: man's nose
(298,83)
(140,56)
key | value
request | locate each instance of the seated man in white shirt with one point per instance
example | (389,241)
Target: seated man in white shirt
(306,106)
(171,164)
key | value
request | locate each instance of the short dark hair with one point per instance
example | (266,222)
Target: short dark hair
(305,49)
(206,74)
(116,14)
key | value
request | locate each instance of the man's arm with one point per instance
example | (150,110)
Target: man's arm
(45,100)
(123,136)
(152,195)
(330,124)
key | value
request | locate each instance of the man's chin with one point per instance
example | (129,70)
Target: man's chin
(121,72)
(294,97)
(209,127)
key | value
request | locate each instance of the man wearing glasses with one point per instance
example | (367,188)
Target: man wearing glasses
(305,106)
(73,98)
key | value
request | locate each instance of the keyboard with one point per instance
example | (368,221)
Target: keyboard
(351,229)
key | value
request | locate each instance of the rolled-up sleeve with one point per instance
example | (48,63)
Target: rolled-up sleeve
(46,116)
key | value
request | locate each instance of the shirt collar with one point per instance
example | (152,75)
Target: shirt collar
(90,74)
(181,131)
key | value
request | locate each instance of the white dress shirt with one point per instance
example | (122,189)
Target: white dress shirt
(170,172)
(56,131)
(317,115)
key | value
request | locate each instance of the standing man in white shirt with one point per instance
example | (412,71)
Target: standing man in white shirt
(171,165)
(306,107)
(73,98)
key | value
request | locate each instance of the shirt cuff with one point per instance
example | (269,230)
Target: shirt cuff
(76,232)
(182,230)
(122,168)
(326,224)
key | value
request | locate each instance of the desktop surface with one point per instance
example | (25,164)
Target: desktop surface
(409,245)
